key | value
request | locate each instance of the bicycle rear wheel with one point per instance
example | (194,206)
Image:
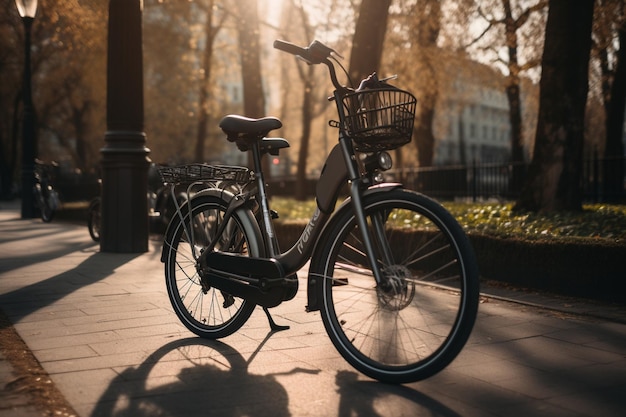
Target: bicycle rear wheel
(206,311)
(415,323)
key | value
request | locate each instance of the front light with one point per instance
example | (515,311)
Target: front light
(384,161)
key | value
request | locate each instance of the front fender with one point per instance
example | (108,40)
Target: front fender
(314,287)
(184,211)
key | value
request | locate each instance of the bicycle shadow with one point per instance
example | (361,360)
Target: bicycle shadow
(200,377)
(193,376)
(360,398)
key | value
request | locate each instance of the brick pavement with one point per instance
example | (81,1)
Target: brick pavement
(101,326)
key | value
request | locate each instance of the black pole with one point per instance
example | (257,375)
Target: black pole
(124,157)
(28,130)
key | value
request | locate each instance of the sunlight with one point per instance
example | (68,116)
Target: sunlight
(270,10)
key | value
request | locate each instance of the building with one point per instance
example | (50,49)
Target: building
(472,115)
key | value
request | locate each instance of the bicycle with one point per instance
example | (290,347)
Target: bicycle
(391,271)
(159,205)
(45,196)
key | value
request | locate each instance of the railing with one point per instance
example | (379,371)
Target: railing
(600,181)
(603,180)
(476,181)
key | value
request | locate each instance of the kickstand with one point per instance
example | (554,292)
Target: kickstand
(275,327)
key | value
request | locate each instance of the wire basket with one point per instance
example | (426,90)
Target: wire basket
(380,119)
(191,173)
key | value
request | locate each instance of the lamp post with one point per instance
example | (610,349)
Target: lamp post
(124,157)
(27,10)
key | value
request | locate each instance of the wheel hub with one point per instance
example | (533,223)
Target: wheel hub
(397,291)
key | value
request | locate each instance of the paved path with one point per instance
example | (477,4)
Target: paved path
(101,326)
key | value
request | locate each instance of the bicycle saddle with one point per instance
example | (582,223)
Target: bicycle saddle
(240,127)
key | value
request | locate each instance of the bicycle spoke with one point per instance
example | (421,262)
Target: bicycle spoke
(197,304)
(399,329)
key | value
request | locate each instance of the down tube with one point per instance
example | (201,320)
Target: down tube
(334,175)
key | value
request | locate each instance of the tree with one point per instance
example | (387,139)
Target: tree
(554,176)
(305,88)
(307,78)
(425,30)
(250,55)
(68,59)
(610,41)
(369,36)
(249,48)
(211,29)
(511,19)
(172,32)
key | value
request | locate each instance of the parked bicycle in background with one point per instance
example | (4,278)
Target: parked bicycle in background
(160,205)
(46,198)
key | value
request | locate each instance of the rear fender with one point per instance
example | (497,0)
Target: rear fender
(184,212)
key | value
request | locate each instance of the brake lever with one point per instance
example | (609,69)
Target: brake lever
(320,52)
(391,77)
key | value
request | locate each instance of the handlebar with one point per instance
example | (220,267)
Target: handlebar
(315,53)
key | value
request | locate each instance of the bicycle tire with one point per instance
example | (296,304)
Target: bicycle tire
(45,211)
(209,313)
(413,329)
(93,220)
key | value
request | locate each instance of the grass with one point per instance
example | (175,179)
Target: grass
(597,221)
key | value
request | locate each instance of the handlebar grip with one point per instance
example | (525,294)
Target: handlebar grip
(290,48)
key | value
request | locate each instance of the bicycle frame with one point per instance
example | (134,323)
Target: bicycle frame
(341,167)
(391,271)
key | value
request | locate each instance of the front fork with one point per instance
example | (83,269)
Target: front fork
(371,235)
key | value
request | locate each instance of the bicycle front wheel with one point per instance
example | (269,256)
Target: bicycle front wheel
(415,322)
(207,311)
(93,220)
(46,211)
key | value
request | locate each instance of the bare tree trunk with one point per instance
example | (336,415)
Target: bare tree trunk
(308,113)
(614,149)
(369,35)
(248,25)
(307,116)
(554,178)
(513,97)
(203,100)
(426,32)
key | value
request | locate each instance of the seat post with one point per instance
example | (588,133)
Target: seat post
(271,245)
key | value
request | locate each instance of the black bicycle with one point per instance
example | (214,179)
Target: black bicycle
(45,197)
(391,271)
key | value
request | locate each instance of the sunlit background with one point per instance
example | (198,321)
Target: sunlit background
(461,75)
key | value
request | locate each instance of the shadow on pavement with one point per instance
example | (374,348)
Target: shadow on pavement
(359,398)
(26,300)
(193,377)
(199,377)
(35,252)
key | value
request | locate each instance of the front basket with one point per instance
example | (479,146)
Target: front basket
(380,119)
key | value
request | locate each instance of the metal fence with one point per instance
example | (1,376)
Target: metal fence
(504,180)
